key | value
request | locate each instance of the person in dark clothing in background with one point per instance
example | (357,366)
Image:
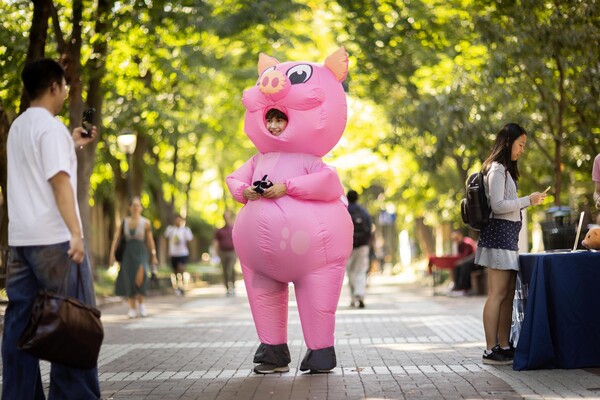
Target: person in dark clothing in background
(358,263)
(464,265)
(223,245)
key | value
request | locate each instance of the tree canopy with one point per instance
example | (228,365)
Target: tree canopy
(430,84)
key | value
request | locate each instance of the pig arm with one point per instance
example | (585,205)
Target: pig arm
(322,183)
(240,179)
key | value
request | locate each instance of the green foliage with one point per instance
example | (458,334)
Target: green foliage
(430,83)
(449,74)
(15,19)
(544,59)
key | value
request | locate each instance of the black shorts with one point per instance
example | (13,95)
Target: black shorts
(180,260)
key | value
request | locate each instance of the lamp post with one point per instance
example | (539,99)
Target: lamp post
(127,141)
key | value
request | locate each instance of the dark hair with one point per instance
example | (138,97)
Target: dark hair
(352,196)
(273,112)
(134,198)
(39,75)
(502,150)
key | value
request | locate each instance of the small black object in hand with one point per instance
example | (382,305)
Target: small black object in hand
(260,186)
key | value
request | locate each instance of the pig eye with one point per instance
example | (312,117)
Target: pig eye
(299,73)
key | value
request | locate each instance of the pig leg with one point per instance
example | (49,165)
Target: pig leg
(318,294)
(269,305)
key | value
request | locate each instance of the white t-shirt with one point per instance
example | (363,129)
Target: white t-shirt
(39,146)
(178,238)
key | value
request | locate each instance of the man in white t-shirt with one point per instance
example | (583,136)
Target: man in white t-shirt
(178,236)
(44,232)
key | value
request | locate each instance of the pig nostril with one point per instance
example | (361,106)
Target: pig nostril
(265,81)
(275,82)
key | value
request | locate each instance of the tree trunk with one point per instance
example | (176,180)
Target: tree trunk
(96,66)
(562,96)
(174,174)
(4,127)
(425,237)
(71,59)
(188,186)
(37,39)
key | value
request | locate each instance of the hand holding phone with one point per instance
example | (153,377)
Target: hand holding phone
(87,122)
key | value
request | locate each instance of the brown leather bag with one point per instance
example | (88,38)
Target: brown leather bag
(63,330)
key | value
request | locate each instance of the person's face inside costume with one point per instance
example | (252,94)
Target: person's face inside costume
(276,125)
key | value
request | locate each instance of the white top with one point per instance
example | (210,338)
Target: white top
(39,146)
(178,238)
(501,191)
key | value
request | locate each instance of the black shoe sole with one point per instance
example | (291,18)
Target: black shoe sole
(272,371)
(487,361)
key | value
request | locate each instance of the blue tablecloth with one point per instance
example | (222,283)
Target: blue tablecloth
(561,326)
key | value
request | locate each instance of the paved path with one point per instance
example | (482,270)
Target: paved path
(406,344)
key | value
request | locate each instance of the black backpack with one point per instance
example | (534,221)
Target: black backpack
(474,208)
(362,227)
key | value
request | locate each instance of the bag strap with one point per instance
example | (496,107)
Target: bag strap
(122,233)
(79,283)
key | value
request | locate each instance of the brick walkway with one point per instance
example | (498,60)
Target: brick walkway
(406,344)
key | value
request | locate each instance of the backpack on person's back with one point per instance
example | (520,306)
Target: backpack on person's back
(362,226)
(474,208)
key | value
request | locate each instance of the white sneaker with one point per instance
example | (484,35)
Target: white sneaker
(142,310)
(132,313)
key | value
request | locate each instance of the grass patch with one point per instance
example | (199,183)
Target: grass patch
(105,281)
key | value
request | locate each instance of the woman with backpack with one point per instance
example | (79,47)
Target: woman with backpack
(498,246)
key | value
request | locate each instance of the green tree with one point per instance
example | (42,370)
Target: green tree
(546,61)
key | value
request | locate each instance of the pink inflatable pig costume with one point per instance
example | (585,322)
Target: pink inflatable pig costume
(305,236)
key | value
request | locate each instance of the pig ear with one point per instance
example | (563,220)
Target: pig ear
(265,61)
(337,62)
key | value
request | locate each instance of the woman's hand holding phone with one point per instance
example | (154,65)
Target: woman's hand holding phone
(537,198)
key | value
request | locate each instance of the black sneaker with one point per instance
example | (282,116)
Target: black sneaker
(510,352)
(496,357)
(270,368)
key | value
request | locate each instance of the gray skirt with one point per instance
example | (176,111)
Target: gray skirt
(497,258)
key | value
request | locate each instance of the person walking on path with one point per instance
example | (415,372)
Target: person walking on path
(358,263)
(132,280)
(223,246)
(44,233)
(178,236)
(497,248)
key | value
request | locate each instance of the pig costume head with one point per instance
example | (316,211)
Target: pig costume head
(312,97)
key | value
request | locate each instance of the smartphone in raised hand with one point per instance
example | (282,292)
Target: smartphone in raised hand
(548,188)
(87,122)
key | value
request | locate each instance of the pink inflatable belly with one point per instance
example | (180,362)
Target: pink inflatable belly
(284,237)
